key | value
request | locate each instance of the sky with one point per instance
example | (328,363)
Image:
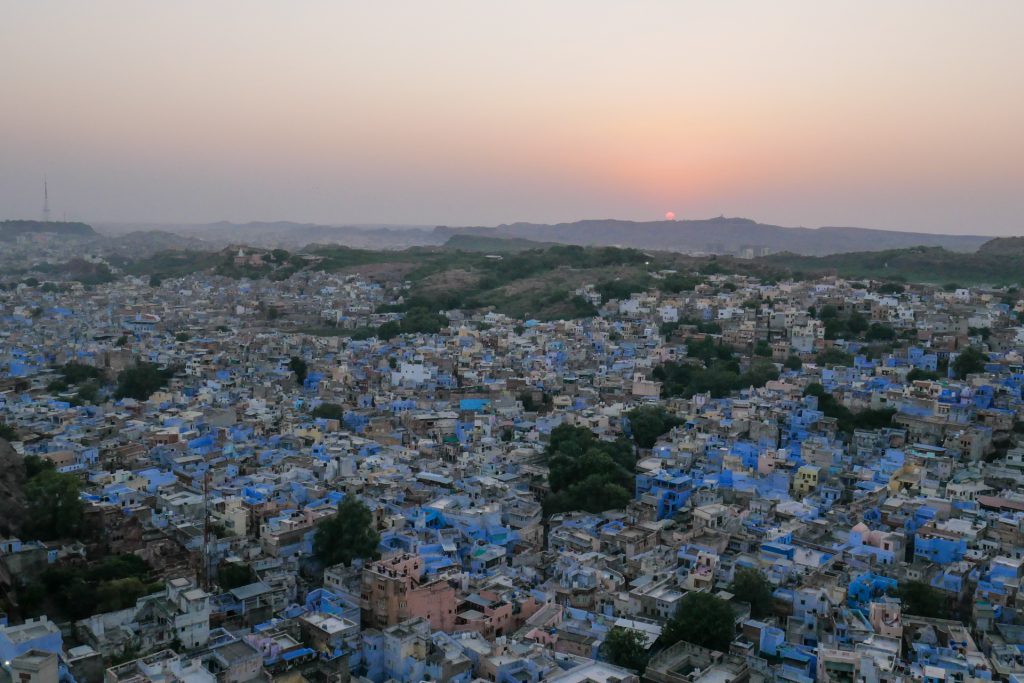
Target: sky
(903,115)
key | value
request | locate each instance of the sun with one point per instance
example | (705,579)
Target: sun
(670,215)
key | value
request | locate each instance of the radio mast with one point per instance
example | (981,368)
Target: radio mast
(46,201)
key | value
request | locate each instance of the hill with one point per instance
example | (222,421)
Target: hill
(10,229)
(990,265)
(517,278)
(1005,246)
(494,245)
(527,279)
(720,236)
(289,234)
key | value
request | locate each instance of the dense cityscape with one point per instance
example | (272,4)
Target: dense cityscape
(575,341)
(314,475)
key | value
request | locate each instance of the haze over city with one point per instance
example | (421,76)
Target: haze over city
(874,114)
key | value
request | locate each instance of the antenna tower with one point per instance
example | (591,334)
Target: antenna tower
(46,201)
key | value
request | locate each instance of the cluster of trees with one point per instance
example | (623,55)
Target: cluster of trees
(847,420)
(7,432)
(750,586)
(890,288)
(622,289)
(55,508)
(299,367)
(587,474)
(234,574)
(853,325)
(142,380)
(417,320)
(701,618)
(702,326)
(523,264)
(347,536)
(530,404)
(968,362)
(328,411)
(86,378)
(837,326)
(916,374)
(79,592)
(834,356)
(720,377)
(922,600)
(647,423)
(626,648)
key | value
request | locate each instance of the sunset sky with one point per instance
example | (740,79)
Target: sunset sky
(892,114)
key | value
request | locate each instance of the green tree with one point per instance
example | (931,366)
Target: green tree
(922,600)
(750,586)
(7,432)
(879,332)
(834,356)
(917,374)
(347,536)
(625,647)
(74,373)
(719,378)
(57,386)
(587,474)
(846,420)
(118,594)
(701,619)
(88,392)
(54,507)
(140,381)
(647,423)
(299,367)
(763,348)
(422,320)
(328,411)
(233,575)
(827,312)
(35,465)
(856,323)
(793,362)
(969,361)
